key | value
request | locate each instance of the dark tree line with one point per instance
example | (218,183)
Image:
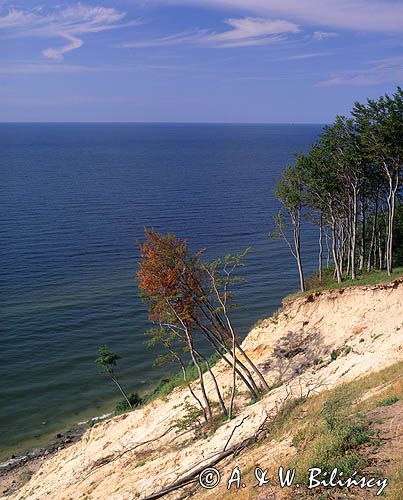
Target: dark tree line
(349,186)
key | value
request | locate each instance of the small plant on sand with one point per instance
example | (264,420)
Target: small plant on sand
(107,360)
(388,401)
(192,420)
(123,405)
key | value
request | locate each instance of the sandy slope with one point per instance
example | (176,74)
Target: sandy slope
(113,460)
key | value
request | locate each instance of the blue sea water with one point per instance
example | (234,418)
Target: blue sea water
(75,198)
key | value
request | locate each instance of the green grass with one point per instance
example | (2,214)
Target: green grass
(388,401)
(375,277)
(329,429)
(166,385)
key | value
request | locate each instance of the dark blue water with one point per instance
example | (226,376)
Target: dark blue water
(75,198)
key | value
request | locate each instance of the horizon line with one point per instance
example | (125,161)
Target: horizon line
(154,123)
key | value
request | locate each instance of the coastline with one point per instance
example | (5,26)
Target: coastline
(15,471)
(356,343)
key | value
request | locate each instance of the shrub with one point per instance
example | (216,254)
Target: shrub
(388,401)
(123,406)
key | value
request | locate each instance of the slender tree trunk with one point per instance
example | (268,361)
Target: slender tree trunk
(341,248)
(362,243)
(380,250)
(205,399)
(115,380)
(217,388)
(189,341)
(392,220)
(334,243)
(188,384)
(373,235)
(246,377)
(348,257)
(391,200)
(320,270)
(354,233)
(297,245)
(253,367)
(327,249)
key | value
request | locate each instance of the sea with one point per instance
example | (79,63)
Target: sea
(75,199)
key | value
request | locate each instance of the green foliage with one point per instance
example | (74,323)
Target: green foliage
(343,351)
(192,420)
(122,406)
(347,185)
(388,401)
(166,385)
(335,439)
(106,358)
(375,277)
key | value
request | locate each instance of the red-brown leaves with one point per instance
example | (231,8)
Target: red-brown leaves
(169,277)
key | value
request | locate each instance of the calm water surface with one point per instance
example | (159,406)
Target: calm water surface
(75,198)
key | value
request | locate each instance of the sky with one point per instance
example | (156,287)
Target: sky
(238,61)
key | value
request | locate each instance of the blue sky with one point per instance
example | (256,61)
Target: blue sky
(264,61)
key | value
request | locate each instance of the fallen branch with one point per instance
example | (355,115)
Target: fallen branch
(233,430)
(192,477)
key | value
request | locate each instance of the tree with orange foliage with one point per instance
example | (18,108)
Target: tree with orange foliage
(189,299)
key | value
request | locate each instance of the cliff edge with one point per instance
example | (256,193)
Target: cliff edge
(310,347)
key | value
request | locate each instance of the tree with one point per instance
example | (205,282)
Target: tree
(343,147)
(289,191)
(107,360)
(168,279)
(380,124)
(190,301)
(324,192)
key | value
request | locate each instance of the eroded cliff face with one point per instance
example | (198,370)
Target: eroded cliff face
(138,453)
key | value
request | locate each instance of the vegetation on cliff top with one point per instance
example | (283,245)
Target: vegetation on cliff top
(348,185)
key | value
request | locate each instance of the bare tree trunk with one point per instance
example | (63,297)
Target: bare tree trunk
(115,380)
(373,235)
(348,257)
(380,251)
(354,233)
(327,249)
(297,245)
(219,396)
(206,401)
(341,248)
(187,382)
(362,243)
(253,367)
(391,200)
(334,243)
(320,271)
(246,377)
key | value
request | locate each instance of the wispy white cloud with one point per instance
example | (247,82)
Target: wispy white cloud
(388,70)
(69,24)
(323,35)
(47,67)
(189,36)
(251,31)
(244,32)
(26,68)
(358,15)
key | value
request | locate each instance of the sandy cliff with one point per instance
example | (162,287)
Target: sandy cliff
(136,454)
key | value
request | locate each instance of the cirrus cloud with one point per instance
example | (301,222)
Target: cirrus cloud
(357,15)
(69,24)
(244,32)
